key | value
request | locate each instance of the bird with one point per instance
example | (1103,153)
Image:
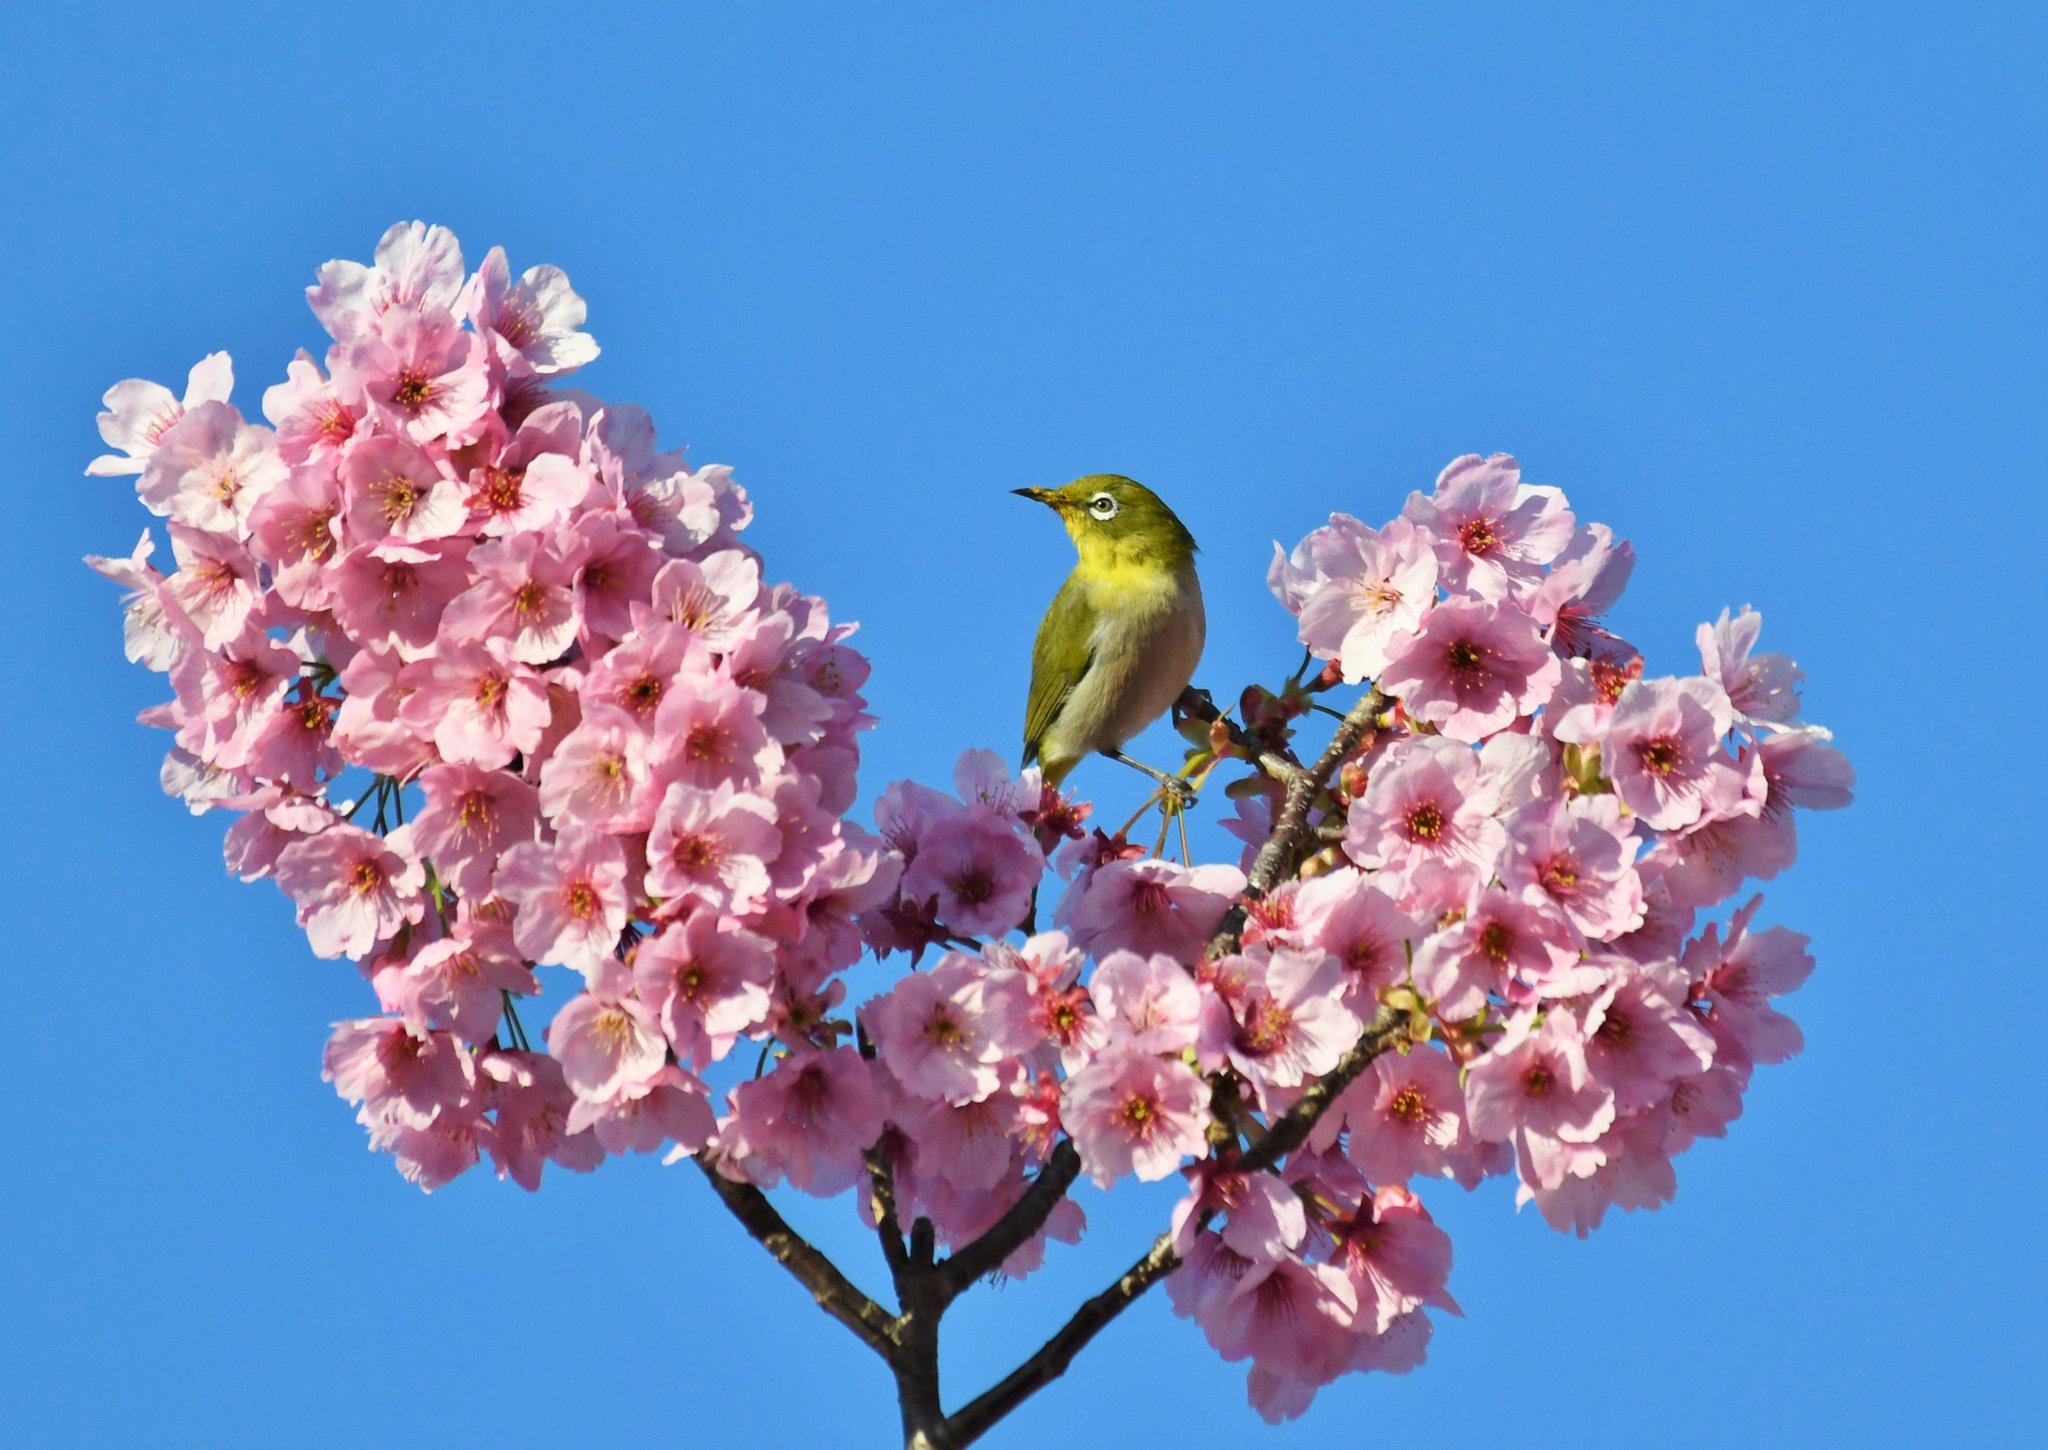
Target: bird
(1123,635)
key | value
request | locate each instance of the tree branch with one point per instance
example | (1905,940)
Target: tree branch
(972,1420)
(1291,1129)
(1291,828)
(1014,1229)
(882,1201)
(834,1292)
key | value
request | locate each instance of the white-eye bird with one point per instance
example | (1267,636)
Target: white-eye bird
(1124,633)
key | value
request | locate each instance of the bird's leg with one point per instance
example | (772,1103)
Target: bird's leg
(1173,785)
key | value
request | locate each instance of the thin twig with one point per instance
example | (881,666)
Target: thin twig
(1291,1129)
(1015,1228)
(835,1293)
(972,1420)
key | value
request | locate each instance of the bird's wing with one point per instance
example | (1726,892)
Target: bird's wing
(1065,647)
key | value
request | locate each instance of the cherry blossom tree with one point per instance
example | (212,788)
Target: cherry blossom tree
(492,686)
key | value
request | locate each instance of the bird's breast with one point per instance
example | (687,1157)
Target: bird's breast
(1148,638)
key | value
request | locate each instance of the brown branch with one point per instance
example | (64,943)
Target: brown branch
(882,1202)
(972,1420)
(834,1292)
(1014,1229)
(1291,827)
(1291,1129)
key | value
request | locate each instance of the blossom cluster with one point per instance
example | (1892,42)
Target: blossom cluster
(493,685)
(1525,858)
(442,583)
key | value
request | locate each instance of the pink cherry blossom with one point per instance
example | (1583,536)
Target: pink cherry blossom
(150,635)
(1532,1088)
(570,896)
(523,595)
(312,419)
(938,1033)
(1584,582)
(713,847)
(398,1075)
(395,491)
(1396,1257)
(471,818)
(1371,590)
(1356,922)
(295,529)
(392,593)
(980,869)
(422,376)
(1132,1112)
(140,413)
(210,468)
(1576,856)
(1640,1037)
(457,984)
(353,888)
(709,982)
(416,266)
(1151,906)
(217,586)
(532,1126)
(597,776)
(1763,690)
(479,705)
(536,322)
(1472,668)
(1406,1119)
(607,1043)
(1493,533)
(1427,800)
(1284,1020)
(1147,1004)
(808,1121)
(715,734)
(1738,974)
(1663,752)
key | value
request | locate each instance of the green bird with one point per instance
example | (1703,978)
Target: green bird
(1124,633)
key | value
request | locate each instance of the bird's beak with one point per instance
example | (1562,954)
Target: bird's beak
(1046,496)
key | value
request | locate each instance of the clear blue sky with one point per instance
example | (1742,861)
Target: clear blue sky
(1760,285)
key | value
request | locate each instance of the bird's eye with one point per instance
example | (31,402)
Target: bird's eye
(1103,506)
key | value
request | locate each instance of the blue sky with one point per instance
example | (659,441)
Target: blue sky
(1759,285)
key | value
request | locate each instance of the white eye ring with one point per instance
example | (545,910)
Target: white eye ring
(1103,506)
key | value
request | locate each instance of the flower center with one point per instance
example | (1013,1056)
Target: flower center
(1409,1106)
(413,390)
(1149,900)
(581,901)
(705,743)
(613,1029)
(1661,754)
(502,491)
(1466,662)
(1479,537)
(1425,822)
(397,497)
(1496,942)
(697,853)
(1267,1026)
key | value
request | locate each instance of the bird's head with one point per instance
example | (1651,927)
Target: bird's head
(1118,520)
